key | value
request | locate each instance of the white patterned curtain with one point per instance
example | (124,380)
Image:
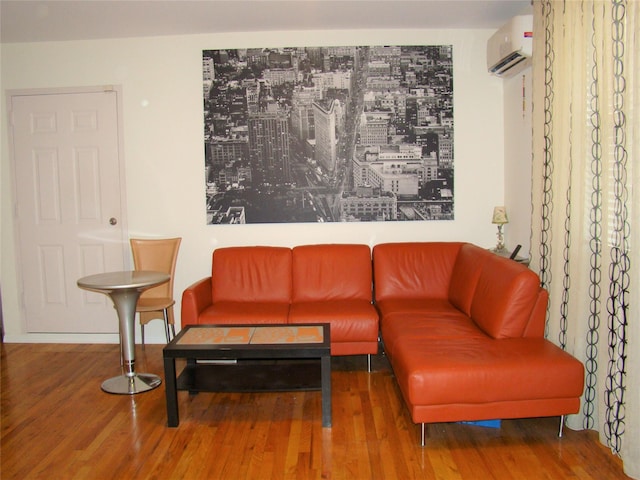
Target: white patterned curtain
(586,221)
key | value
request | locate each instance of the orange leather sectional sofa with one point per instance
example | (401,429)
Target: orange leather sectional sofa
(462,327)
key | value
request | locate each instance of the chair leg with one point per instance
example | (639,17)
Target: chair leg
(561,426)
(422,434)
(166,325)
(369,362)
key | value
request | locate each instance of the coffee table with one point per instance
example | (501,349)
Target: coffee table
(261,357)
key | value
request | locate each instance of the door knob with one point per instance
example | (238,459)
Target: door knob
(113,221)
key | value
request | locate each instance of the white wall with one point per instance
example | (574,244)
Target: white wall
(517,153)
(163,144)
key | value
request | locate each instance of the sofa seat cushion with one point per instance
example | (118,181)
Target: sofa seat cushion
(351,321)
(427,327)
(225,313)
(477,371)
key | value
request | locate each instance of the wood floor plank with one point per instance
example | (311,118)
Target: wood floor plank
(56,422)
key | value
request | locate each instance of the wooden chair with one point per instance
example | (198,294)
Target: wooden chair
(159,255)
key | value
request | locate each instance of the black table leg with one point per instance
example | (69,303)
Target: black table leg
(191,366)
(171,391)
(325,374)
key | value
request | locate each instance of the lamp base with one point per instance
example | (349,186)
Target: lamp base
(500,245)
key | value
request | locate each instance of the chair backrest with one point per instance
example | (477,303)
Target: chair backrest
(159,255)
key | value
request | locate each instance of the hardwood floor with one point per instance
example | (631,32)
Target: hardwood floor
(58,424)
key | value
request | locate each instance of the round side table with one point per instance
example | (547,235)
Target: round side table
(124,289)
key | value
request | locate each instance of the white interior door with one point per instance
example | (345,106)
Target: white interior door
(70,213)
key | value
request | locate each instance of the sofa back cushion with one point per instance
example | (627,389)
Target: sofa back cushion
(251,274)
(466,272)
(331,272)
(413,269)
(505,297)
(537,322)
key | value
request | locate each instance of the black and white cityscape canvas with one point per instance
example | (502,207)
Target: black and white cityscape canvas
(329,134)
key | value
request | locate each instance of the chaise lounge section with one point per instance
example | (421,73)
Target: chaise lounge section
(464,332)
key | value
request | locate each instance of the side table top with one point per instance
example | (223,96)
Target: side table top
(123,280)
(507,254)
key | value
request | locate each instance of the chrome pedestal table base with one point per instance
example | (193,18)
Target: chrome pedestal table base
(124,289)
(138,383)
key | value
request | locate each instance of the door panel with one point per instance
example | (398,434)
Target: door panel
(67,173)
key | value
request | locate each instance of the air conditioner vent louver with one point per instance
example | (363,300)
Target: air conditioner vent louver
(509,49)
(508,63)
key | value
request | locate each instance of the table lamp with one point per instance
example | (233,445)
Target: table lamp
(500,218)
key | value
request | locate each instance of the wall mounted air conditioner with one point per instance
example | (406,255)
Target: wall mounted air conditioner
(509,49)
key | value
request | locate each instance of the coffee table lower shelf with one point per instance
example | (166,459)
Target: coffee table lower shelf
(252,376)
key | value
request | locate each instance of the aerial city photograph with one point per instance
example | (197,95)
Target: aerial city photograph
(328,134)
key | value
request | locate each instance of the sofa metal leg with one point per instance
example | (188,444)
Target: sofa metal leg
(422,434)
(369,362)
(561,426)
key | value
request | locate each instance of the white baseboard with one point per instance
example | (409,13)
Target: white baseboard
(63,338)
(153,334)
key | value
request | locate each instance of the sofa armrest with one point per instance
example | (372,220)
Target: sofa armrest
(195,299)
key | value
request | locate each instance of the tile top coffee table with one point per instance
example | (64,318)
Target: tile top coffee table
(269,357)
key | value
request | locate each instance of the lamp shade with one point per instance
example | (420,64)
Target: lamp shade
(500,216)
